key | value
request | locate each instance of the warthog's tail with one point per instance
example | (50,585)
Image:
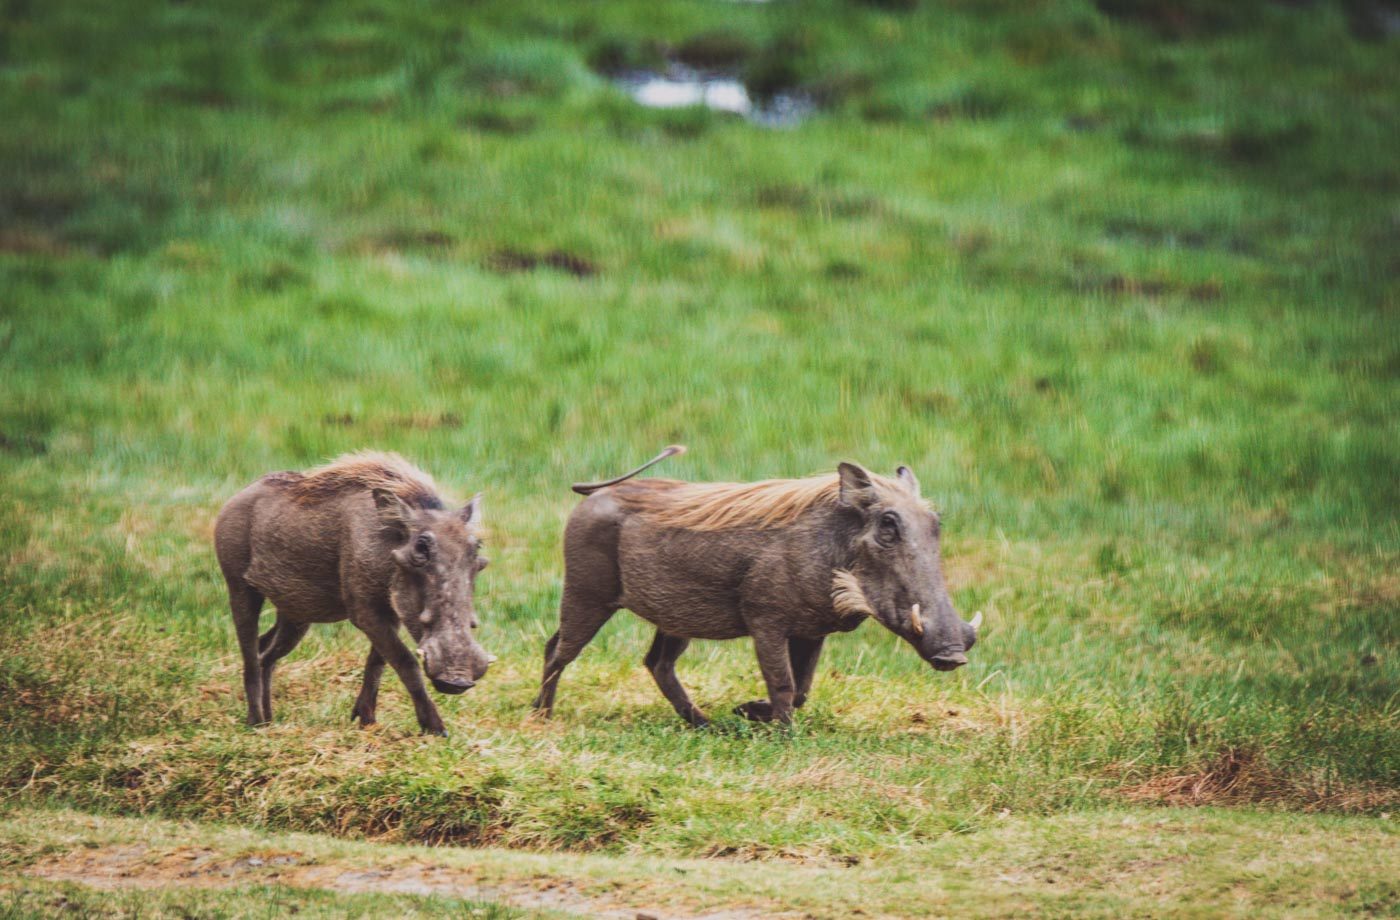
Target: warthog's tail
(588,488)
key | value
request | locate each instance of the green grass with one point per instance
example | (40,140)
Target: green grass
(1122,290)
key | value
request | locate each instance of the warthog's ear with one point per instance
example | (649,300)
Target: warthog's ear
(471,511)
(857,488)
(393,513)
(906,476)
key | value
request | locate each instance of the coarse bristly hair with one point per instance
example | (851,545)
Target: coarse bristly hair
(362,471)
(733,505)
(847,598)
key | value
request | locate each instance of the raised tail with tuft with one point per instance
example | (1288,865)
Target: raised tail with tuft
(588,488)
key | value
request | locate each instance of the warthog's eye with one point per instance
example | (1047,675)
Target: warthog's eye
(423,549)
(888,531)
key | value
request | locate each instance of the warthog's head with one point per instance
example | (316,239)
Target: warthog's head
(896,574)
(436,562)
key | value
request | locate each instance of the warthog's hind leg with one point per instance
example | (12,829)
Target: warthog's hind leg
(661,662)
(368,699)
(245,602)
(579,622)
(274,645)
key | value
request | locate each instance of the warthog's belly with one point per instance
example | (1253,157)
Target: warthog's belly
(297,599)
(694,620)
(687,583)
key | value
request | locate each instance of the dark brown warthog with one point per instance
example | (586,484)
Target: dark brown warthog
(787,561)
(366,538)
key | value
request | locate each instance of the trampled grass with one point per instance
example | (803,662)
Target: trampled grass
(1125,300)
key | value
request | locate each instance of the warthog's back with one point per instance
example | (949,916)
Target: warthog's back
(686,556)
(297,537)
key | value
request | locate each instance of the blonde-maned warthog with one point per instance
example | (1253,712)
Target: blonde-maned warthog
(786,561)
(366,538)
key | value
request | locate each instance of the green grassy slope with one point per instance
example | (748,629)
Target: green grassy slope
(1122,290)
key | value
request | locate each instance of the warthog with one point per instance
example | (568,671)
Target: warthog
(366,538)
(786,561)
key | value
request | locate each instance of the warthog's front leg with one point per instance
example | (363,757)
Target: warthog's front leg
(385,639)
(368,699)
(804,654)
(774,662)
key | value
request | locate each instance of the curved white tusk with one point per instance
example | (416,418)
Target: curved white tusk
(490,658)
(976,621)
(916,622)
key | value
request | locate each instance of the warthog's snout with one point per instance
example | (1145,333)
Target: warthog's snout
(452,687)
(948,661)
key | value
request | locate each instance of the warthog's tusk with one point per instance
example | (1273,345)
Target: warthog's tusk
(976,623)
(490,658)
(916,622)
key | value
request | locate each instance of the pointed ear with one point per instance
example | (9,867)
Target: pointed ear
(911,482)
(392,511)
(857,489)
(471,511)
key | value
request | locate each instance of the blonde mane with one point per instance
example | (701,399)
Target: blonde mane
(363,471)
(732,505)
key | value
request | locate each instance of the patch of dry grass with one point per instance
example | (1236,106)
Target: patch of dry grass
(1241,776)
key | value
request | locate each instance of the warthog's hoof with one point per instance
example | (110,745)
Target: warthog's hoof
(696,719)
(755,711)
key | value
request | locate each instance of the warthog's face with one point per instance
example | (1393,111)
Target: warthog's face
(898,567)
(432,588)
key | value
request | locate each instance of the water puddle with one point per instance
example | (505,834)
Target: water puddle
(680,87)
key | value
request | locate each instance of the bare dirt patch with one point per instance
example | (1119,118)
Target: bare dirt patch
(140,866)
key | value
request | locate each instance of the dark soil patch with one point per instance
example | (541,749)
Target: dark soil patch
(21,241)
(1129,286)
(409,240)
(24,445)
(513,261)
(493,121)
(1181,19)
(717,50)
(417,421)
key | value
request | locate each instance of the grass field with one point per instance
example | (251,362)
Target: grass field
(1120,286)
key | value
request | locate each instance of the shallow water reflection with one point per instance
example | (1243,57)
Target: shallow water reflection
(680,87)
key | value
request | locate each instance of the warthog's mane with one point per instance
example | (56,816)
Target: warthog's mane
(361,472)
(732,505)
